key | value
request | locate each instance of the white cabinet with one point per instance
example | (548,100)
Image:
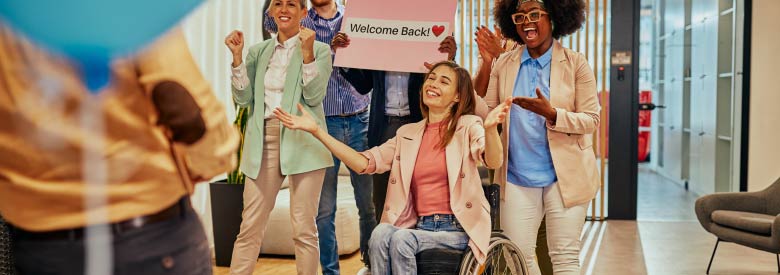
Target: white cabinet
(697,74)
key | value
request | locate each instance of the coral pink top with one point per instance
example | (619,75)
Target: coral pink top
(430,187)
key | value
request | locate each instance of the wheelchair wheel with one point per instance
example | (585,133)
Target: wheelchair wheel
(503,258)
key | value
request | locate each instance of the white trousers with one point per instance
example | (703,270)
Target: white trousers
(522,211)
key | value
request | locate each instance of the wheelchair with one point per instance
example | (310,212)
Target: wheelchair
(503,256)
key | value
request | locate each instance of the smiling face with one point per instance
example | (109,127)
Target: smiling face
(534,34)
(287,14)
(440,88)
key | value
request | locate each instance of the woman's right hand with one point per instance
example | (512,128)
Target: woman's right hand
(303,122)
(235,42)
(341,40)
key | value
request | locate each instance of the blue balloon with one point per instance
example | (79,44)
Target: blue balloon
(92,32)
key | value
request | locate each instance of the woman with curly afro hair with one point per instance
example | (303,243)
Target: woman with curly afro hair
(549,161)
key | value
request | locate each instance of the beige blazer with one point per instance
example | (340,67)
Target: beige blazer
(467,199)
(573,95)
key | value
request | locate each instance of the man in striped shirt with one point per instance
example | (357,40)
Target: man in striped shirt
(346,113)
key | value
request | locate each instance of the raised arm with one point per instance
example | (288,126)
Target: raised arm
(489,46)
(376,160)
(241,72)
(317,66)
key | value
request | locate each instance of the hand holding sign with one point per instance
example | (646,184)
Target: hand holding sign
(447,46)
(341,40)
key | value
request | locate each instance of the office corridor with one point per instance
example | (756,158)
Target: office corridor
(666,239)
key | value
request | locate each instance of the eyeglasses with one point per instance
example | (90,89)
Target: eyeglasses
(533,17)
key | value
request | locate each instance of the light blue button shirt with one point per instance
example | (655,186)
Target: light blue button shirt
(397,95)
(530,162)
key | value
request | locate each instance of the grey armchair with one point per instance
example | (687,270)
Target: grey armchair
(750,219)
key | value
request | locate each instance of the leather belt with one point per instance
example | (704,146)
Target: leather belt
(176,210)
(353,113)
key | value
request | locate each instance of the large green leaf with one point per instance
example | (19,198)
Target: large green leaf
(235,176)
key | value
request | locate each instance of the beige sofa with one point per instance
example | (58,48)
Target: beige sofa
(278,236)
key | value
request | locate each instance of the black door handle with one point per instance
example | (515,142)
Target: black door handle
(649,106)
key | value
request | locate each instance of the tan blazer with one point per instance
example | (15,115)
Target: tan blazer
(573,95)
(467,199)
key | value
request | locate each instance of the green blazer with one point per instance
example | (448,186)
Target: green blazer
(300,152)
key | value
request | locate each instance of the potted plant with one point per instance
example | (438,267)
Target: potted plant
(227,203)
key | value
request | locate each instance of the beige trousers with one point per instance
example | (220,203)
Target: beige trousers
(522,211)
(259,199)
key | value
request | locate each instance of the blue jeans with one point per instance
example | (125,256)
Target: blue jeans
(396,247)
(351,130)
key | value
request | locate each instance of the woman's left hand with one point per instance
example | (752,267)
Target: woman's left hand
(539,105)
(498,114)
(303,122)
(307,44)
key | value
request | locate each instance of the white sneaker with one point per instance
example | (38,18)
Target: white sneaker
(364,271)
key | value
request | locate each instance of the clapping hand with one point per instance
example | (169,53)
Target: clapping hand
(488,43)
(498,114)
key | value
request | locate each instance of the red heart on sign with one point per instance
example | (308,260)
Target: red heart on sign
(437,30)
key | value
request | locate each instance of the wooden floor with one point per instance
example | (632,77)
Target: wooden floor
(665,240)
(278,265)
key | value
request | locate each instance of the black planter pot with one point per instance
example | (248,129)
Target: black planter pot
(227,203)
(6,258)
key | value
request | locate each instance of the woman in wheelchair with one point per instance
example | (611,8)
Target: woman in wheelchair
(435,197)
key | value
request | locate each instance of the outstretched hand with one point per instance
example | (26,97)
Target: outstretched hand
(303,122)
(498,114)
(539,105)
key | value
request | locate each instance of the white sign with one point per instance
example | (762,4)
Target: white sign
(399,30)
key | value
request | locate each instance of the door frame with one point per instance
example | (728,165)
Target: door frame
(624,112)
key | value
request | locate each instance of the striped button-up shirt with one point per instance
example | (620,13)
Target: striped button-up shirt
(341,97)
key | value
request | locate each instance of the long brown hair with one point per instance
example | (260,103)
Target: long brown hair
(465,106)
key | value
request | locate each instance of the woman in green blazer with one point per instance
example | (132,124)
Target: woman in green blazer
(288,69)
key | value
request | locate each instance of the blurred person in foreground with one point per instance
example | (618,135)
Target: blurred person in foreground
(100,184)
